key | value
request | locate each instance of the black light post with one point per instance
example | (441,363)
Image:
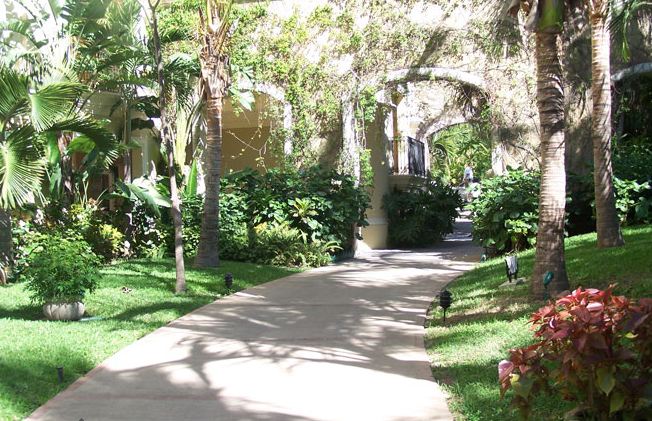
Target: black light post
(228,280)
(445,301)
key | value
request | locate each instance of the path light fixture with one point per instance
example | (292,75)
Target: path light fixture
(228,280)
(445,301)
(547,279)
(60,374)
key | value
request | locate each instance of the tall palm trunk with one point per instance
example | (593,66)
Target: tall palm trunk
(208,249)
(608,226)
(552,198)
(215,81)
(166,134)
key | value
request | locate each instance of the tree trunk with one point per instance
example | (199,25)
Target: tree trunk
(6,245)
(166,135)
(67,192)
(208,249)
(552,199)
(127,141)
(607,223)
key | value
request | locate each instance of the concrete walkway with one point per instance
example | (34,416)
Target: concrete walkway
(343,342)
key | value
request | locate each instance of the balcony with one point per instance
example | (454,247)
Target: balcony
(408,157)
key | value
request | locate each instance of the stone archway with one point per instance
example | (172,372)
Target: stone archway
(385,129)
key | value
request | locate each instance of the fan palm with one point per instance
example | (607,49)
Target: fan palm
(29,113)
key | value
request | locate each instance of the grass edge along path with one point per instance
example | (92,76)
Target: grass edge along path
(485,321)
(134,298)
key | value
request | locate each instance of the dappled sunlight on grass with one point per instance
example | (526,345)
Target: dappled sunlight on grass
(486,321)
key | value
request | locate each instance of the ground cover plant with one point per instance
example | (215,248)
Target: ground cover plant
(485,321)
(132,299)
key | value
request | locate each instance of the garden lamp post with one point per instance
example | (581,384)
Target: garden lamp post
(228,280)
(445,301)
(547,279)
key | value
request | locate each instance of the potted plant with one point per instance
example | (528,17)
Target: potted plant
(60,273)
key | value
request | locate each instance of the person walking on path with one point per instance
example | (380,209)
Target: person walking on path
(468,175)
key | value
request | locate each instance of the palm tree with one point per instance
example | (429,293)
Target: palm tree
(29,114)
(215,79)
(607,223)
(547,22)
(166,134)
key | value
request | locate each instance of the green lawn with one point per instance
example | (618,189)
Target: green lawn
(485,322)
(31,348)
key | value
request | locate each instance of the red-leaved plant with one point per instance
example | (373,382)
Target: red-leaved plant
(595,348)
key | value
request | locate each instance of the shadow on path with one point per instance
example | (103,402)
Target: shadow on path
(343,342)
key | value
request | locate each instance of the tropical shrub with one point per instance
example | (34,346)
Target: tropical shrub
(191,211)
(281,245)
(26,237)
(320,206)
(147,234)
(633,201)
(593,348)
(505,214)
(633,161)
(421,215)
(61,270)
(106,241)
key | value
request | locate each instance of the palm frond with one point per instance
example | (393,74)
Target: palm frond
(94,138)
(623,13)
(21,167)
(53,103)
(22,28)
(140,190)
(14,90)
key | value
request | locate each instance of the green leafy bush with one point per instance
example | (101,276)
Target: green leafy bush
(633,201)
(320,206)
(192,208)
(148,235)
(505,214)
(633,162)
(106,241)
(61,270)
(26,237)
(593,348)
(281,245)
(421,215)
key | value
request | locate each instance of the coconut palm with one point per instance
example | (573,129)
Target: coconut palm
(546,20)
(607,223)
(215,80)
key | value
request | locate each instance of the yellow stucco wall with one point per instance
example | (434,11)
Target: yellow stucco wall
(244,147)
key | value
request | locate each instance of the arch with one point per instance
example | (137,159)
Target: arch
(637,69)
(421,74)
(438,124)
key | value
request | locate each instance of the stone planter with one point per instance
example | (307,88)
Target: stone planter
(63,311)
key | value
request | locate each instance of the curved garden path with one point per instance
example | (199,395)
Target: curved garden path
(342,342)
